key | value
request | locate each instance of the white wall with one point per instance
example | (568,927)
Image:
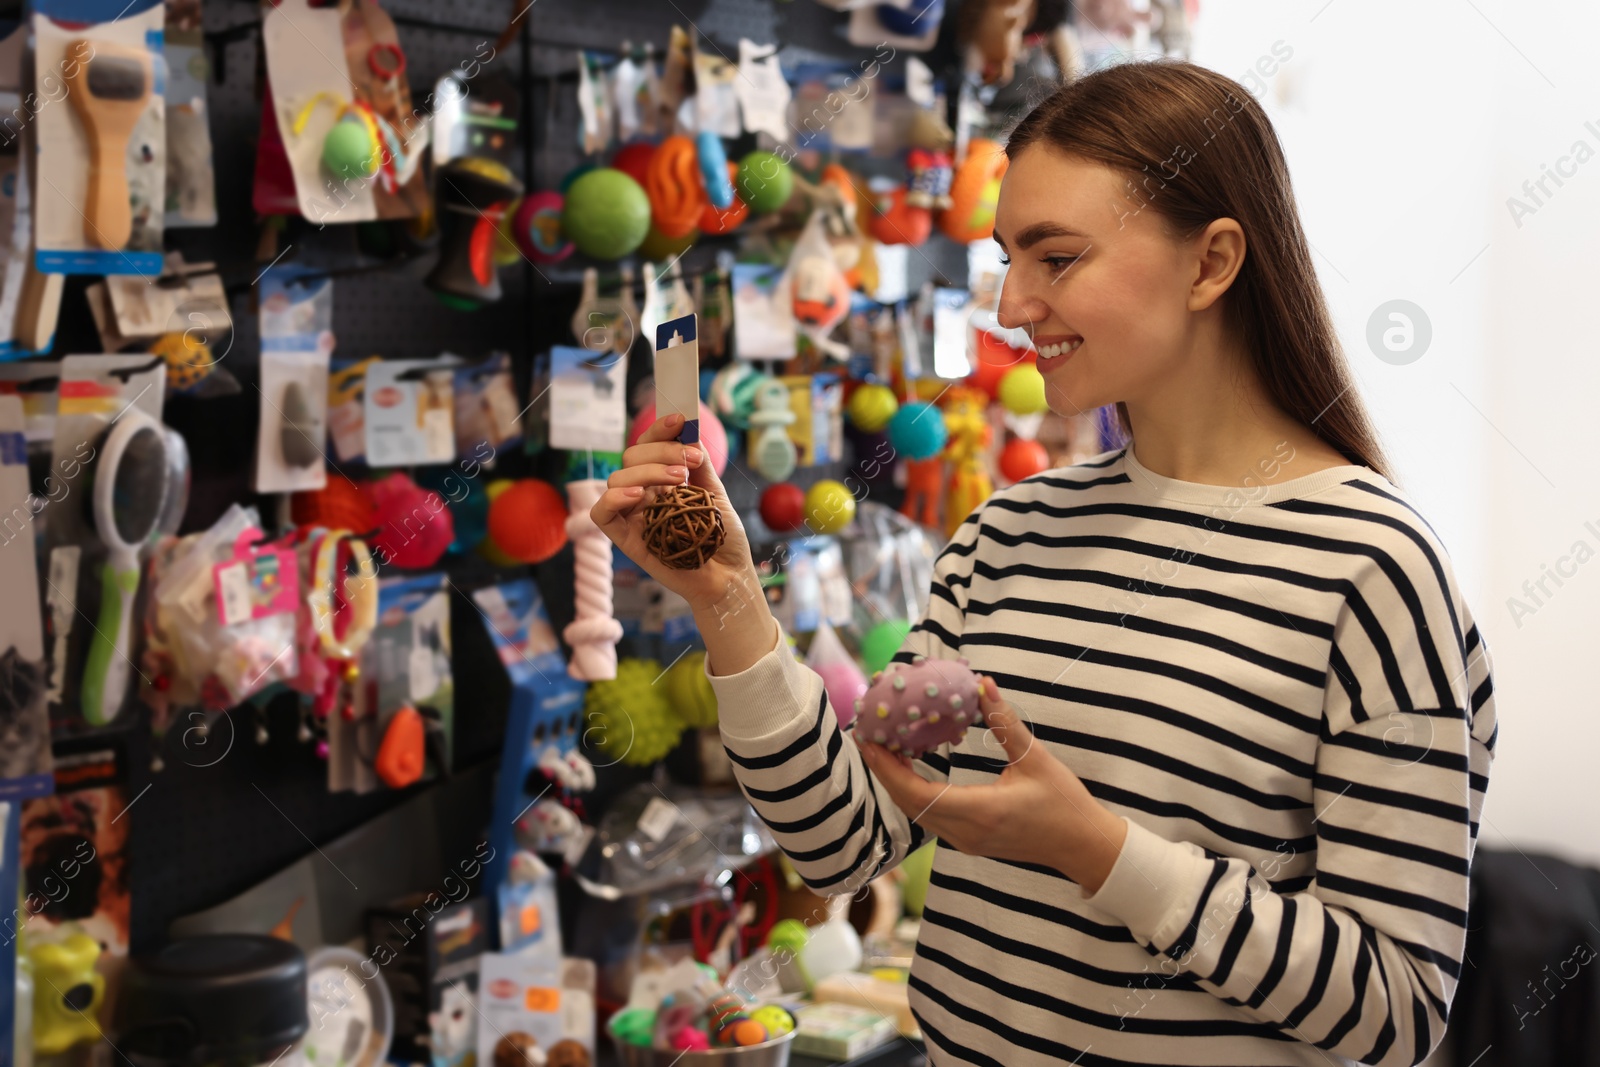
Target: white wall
(1407,126)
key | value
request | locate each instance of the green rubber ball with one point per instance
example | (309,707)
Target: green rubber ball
(765,181)
(606,214)
(880,643)
(348,151)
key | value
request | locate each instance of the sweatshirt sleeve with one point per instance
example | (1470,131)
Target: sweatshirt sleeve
(804,775)
(1363,962)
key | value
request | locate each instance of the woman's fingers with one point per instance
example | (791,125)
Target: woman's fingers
(661,430)
(662,452)
(647,474)
(614,506)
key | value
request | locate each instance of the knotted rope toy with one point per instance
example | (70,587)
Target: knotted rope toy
(683,527)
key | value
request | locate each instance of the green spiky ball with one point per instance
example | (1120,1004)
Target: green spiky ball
(630,717)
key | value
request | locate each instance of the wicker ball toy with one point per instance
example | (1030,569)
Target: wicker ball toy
(629,717)
(690,691)
(914,708)
(518,1049)
(683,526)
(567,1053)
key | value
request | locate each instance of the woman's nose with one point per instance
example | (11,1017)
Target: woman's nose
(1013,311)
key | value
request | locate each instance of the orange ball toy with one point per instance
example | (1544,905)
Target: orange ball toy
(1022,458)
(528,521)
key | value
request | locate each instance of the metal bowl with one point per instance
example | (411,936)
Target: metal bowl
(774,1053)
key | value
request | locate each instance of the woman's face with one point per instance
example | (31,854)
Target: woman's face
(1095,280)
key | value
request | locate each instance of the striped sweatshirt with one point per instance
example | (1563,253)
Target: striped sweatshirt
(1279,688)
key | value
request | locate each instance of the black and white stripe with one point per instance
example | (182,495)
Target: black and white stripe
(1289,701)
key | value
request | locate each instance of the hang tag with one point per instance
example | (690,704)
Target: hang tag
(910,345)
(919,82)
(677,374)
(716,99)
(256,583)
(658,818)
(594,105)
(423,679)
(627,87)
(763,93)
(951,312)
(588,407)
(763,312)
(409,412)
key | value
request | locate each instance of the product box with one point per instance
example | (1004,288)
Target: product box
(839,1031)
(425,944)
(818,427)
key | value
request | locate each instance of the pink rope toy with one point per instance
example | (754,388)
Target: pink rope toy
(593,634)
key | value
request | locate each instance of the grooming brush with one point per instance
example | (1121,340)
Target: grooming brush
(109,92)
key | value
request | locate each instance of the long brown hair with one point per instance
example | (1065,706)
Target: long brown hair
(1196,146)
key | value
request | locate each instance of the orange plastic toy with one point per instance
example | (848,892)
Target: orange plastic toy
(400,756)
(677,195)
(893,221)
(974,191)
(922,490)
(722,219)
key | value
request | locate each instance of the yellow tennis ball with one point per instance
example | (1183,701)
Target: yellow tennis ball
(1022,390)
(872,406)
(829,507)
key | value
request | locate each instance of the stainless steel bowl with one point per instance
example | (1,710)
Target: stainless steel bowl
(774,1053)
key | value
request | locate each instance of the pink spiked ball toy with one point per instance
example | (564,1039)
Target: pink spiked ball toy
(914,708)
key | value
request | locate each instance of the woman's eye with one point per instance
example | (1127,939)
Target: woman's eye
(1005,261)
(1059,263)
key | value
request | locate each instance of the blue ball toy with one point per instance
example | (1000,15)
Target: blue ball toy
(917,430)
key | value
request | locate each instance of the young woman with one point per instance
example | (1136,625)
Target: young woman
(1240,720)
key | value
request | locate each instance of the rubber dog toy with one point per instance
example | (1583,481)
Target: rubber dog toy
(67,995)
(916,707)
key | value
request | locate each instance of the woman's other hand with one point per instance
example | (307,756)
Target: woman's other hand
(1037,811)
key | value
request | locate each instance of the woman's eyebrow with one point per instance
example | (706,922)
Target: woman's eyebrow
(1039,231)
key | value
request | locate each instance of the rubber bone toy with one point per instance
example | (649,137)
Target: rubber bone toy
(593,634)
(916,707)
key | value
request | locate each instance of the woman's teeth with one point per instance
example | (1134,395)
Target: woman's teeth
(1051,351)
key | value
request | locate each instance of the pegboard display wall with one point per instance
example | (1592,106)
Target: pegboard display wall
(209,828)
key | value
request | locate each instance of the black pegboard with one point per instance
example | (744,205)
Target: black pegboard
(203,832)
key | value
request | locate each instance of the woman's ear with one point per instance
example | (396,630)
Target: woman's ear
(1219,256)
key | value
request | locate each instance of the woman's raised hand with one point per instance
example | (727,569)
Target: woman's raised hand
(658,461)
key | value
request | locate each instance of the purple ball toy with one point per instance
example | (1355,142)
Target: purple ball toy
(914,708)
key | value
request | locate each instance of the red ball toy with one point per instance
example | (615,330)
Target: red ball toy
(415,526)
(528,522)
(783,507)
(1022,458)
(341,505)
(634,159)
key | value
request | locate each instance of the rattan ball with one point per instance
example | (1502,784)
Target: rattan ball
(683,527)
